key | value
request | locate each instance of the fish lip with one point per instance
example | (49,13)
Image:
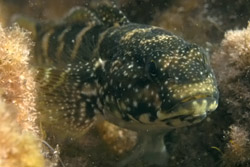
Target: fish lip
(189,99)
(173,111)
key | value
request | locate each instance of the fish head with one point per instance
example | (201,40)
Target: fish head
(186,83)
(162,80)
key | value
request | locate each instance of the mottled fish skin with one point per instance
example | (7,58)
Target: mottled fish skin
(160,81)
(137,76)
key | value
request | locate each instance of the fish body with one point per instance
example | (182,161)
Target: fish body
(137,76)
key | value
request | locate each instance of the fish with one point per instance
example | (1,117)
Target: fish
(140,77)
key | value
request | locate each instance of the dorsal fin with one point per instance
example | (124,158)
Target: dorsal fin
(80,15)
(27,23)
(110,15)
(75,15)
(32,25)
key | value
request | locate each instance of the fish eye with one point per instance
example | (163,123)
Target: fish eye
(152,69)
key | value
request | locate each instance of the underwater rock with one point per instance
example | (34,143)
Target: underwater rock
(17,84)
(17,148)
(19,144)
(232,74)
(234,85)
(237,151)
(118,139)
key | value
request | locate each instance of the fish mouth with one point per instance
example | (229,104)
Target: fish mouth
(189,110)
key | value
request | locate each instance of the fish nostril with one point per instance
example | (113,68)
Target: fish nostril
(187,48)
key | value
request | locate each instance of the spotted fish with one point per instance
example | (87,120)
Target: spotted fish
(140,77)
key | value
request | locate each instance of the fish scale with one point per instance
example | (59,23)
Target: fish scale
(136,76)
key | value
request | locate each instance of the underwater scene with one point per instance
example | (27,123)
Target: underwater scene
(124,83)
